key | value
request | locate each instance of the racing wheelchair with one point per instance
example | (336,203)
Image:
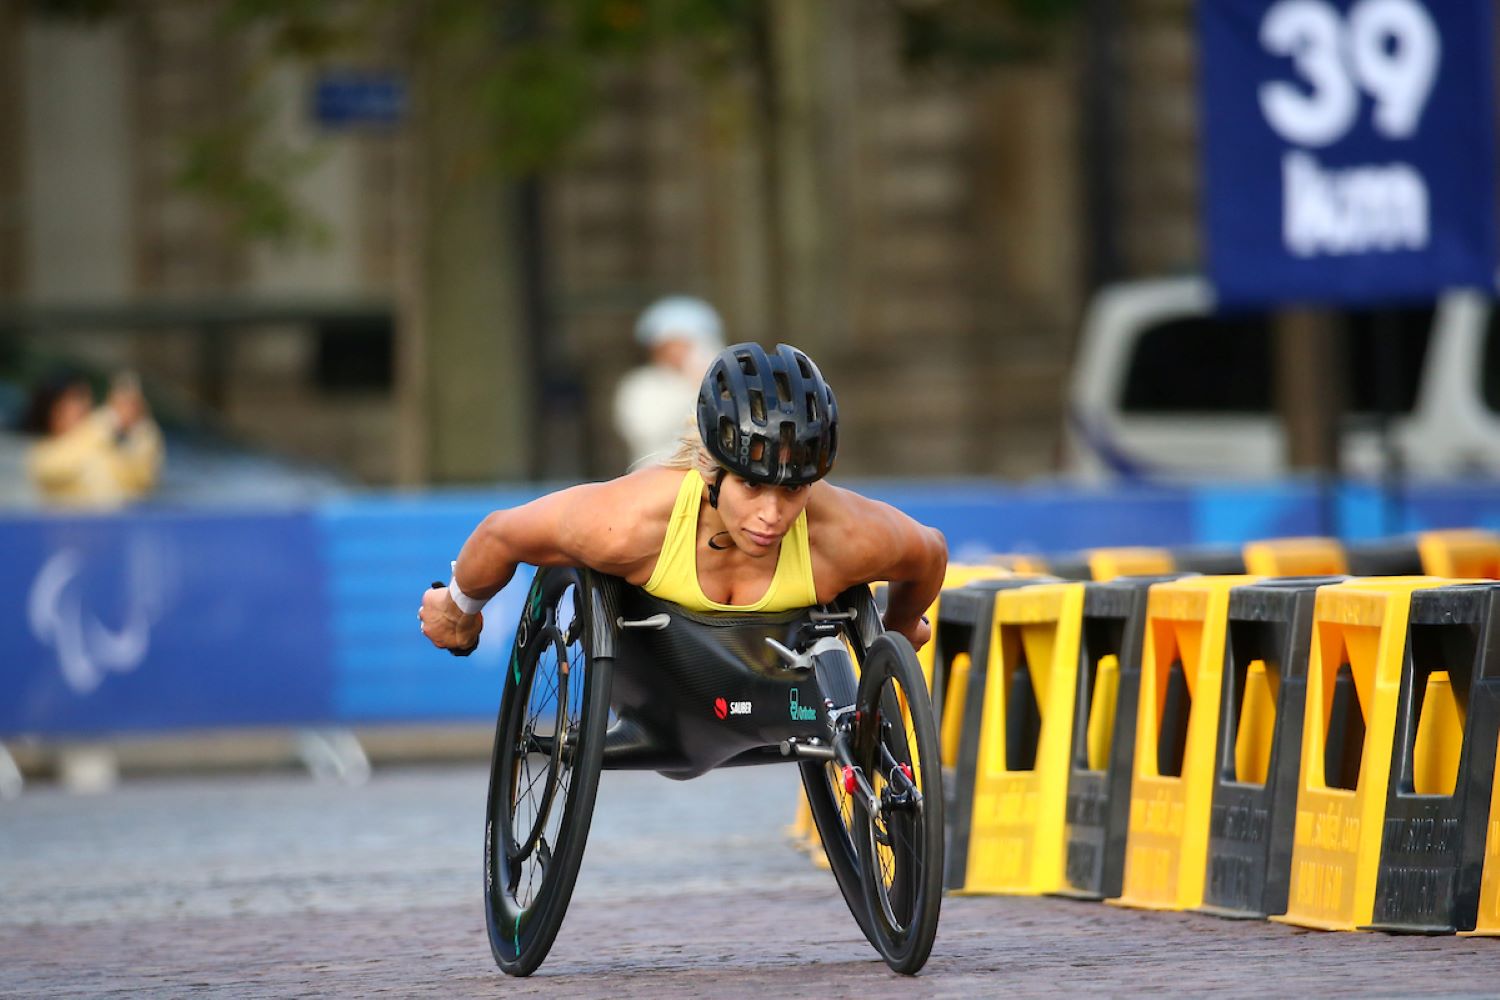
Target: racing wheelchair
(602,676)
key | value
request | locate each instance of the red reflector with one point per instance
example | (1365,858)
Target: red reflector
(906,770)
(849,784)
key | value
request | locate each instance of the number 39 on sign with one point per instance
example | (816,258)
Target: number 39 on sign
(1386,49)
(1349,147)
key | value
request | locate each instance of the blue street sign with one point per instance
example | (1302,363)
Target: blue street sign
(346,99)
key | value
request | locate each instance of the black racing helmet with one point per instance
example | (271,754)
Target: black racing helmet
(768,418)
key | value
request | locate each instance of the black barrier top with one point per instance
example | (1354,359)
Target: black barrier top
(1115,598)
(961,607)
(1209,561)
(1072,568)
(1385,558)
(1264,600)
(1458,603)
(965,605)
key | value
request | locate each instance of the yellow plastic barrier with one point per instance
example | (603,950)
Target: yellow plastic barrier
(1107,564)
(1460,553)
(1177,716)
(1488,923)
(1016,839)
(952,729)
(1296,557)
(1353,686)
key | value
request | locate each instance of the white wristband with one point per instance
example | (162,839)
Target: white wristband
(468,605)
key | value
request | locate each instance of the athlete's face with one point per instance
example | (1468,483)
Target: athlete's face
(758,516)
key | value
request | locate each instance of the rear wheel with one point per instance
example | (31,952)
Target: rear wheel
(544,772)
(899,846)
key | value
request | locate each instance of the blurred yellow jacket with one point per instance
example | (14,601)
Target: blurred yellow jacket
(96,464)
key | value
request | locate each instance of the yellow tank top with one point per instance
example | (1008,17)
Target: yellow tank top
(675,578)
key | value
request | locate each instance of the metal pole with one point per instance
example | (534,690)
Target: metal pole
(1387,347)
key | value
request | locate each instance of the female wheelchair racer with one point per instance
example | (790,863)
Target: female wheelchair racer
(667,633)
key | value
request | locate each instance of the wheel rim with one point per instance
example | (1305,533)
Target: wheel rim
(539,764)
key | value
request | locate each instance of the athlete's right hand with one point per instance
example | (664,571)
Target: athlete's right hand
(445,626)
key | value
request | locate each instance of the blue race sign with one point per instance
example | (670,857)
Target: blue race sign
(1349,149)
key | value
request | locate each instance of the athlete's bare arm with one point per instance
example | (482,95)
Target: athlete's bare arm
(857,540)
(614,527)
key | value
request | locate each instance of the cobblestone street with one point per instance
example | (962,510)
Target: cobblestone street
(277,886)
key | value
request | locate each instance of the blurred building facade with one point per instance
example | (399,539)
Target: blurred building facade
(929,236)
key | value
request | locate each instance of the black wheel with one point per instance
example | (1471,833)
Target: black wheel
(833,816)
(900,844)
(544,772)
(832,808)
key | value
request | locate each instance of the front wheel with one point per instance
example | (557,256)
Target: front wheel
(900,843)
(544,773)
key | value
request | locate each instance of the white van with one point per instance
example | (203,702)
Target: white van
(1166,386)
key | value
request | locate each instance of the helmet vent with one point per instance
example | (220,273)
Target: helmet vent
(747,364)
(723,384)
(785,454)
(757,406)
(783,388)
(812,407)
(804,367)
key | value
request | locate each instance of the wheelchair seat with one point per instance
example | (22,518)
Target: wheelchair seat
(704,690)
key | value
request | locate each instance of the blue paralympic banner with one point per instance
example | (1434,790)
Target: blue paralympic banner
(1349,148)
(161,620)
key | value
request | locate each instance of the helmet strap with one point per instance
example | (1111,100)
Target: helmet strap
(713,490)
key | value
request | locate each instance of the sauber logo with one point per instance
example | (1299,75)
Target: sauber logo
(723,709)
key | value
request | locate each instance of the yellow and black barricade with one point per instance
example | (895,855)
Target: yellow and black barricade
(1102,742)
(1020,769)
(1259,746)
(1296,557)
(1177,715)
(1442,773)
(1460,552)
(963,636)
(1353,685)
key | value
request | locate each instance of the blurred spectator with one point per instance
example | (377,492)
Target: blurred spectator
(653,402)
(87,457)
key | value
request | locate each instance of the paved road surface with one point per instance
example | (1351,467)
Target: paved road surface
(276,886)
